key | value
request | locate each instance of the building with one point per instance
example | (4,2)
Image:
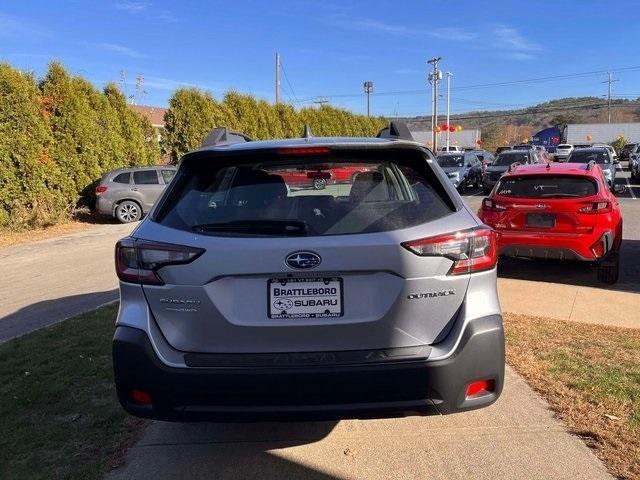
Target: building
(601,132)
(154,114)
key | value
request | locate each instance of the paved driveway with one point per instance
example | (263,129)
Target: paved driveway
(516,438)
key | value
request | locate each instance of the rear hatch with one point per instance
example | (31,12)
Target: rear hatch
(279,267)
(545,204)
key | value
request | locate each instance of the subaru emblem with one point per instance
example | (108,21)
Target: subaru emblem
(302,260)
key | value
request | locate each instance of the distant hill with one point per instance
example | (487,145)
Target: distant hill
(554,112)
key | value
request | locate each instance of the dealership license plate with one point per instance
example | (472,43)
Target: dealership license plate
(305,297)
(541,220)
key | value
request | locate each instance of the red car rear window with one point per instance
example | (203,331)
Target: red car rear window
(547,186)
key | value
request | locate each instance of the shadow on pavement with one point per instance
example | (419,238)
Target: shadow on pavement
(576,273)
(225,450)
(49,312)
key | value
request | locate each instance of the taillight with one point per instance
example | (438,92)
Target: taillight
(101,189)
(596,207)
(137,261)
(471,250)
(490,204)
(480,388)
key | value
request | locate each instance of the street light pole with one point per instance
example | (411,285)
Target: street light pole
(368,89)
(434,77)
(449,75)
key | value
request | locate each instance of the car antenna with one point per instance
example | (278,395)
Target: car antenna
(307,133)
(549,166)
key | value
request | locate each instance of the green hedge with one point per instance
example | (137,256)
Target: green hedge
(57,137)
(193,113)
(60,134)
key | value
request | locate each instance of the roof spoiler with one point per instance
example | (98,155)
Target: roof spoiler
(223,136)
(397,131)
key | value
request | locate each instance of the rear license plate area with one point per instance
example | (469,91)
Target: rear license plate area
(541,220)
(291,298)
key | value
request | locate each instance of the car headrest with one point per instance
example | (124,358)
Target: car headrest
(368,186)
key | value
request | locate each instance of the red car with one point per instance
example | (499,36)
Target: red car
(557,211)
(319,178)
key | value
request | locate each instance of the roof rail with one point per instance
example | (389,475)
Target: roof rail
(396,130)
(223,136)
(514,165)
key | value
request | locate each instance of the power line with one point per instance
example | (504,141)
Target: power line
(490,85)
(286,78)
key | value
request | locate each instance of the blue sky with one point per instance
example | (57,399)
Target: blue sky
(330,47)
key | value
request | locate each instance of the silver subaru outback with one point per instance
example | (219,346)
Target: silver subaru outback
(248,294)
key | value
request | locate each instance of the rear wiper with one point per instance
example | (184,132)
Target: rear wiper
(256,227)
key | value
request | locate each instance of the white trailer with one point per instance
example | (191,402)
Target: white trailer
(463,138)
(602,132)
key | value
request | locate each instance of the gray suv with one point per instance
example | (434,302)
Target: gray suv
(128,194)
(463,169)
(242,298)
(602,156)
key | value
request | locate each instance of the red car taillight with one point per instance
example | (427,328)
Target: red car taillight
(137,261)
(471,250)
(596,207)
(101,189)
(490,204)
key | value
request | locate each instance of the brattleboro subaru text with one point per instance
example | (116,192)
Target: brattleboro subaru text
(245,297)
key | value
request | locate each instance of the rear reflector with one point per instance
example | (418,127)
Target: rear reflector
(304,151)
(481,388)
(137,261)
(101,189)
(471,250)
(141,397)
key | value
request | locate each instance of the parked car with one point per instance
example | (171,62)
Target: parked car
(239,300)
(557,211)
(563,151)
(524,146)
(297,178)
(626,150)
(503,148)
(129,193)
(463,169)
(502,163)
(634,162)
(451,148)
(600,155)
(582,145)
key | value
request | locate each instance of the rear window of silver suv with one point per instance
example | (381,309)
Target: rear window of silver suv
(304,196)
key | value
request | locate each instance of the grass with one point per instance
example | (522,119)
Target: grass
(59,412)
(590,375)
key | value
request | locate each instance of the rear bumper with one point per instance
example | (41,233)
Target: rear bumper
(310,392)
(104,206)
(554,247)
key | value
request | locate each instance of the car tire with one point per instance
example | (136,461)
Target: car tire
(486,190)
(609,270)
(462,188)
(319,183)
(128,211)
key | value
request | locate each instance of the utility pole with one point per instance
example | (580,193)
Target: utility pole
(368,89)
(277,78)
(449,75)
(609,81)
(434,77)
(321,101)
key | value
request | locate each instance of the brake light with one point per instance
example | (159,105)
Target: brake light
(101,189)
(596,207)
(490,204)
(304,151)
(141,397)
(137,261)
(471,250)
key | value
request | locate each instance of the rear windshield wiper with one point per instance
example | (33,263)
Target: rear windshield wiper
(256,227)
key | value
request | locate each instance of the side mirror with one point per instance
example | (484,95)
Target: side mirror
(619,189)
